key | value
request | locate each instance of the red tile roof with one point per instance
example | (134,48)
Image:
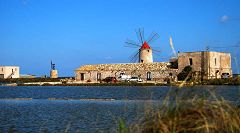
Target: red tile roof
(145,46)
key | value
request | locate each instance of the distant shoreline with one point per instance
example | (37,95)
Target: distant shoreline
(118,84)
(67,82)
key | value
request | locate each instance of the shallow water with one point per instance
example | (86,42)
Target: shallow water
(88,109)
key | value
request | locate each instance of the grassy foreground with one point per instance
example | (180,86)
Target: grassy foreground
(212,115)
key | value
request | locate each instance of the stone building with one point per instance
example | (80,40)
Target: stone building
(148,72)
(9,72)
(206,64)
(146,69)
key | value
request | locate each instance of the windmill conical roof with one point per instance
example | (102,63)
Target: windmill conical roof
(145,46)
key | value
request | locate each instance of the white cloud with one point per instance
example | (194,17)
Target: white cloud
(224,19)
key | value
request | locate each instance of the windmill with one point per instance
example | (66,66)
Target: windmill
(144,52)
(53,71)
(52,66)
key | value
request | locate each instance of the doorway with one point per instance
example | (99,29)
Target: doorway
(149,76)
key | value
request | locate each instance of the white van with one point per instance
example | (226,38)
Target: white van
(124,77)
(135,79)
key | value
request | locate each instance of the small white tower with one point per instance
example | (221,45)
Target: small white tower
(53,72)
(145,53)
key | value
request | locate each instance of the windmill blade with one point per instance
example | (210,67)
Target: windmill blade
(131,46)
(134,56)
(154,36)
(154,50)
(172,47)
(130,42)
(155,47)
(135,59)
(156,53)
(51,65)
(143,34)
(139,35)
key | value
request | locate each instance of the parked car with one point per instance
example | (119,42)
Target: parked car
(135,79)
(124,77)
(225,75)
(110,80)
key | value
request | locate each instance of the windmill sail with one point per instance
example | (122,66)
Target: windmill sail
(172,47)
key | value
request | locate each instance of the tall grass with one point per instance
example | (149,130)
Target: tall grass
(181,114)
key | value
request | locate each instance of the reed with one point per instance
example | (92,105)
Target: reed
(198,115)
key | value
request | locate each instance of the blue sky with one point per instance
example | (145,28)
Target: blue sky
(75,32)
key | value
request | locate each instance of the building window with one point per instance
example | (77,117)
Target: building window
(149,76)
(12,70)
(190,61)
(2,69)
(215,61)
(82,76)
(142,61)
(98,76)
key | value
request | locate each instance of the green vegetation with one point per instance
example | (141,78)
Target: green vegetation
(228,81)
(27,80)
(198,115)
(98,84)
(185,77)
(185,74)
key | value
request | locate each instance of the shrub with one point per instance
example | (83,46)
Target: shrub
(184,74)
(192,115)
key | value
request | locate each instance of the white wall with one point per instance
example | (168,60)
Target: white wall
(9,71)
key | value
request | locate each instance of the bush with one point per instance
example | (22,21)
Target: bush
(184,74)
(192,115)
(27,80)
(228,81)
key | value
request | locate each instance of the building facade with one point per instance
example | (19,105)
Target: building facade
(9,72)
(148,72)
(206,64)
